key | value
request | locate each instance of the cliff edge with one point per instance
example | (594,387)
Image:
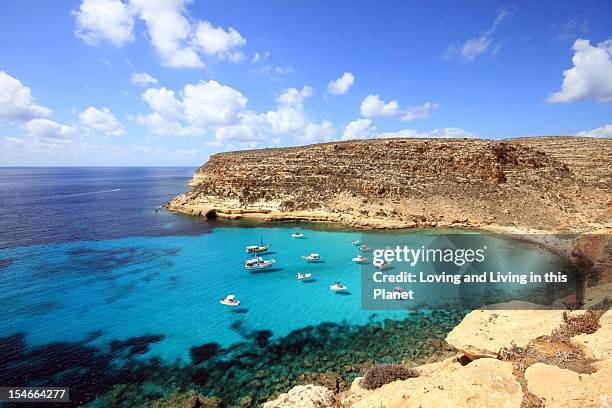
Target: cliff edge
(556,184)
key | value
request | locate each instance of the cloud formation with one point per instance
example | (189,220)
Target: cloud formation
(372,106)
(16,101)
(341,85)
(591,75)
(103,120)
(604,131)
(177,40)
(142,79)
(474,47)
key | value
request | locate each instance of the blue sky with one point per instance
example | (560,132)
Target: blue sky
(105,82)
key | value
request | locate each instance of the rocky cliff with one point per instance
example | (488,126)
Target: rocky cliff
(547,183)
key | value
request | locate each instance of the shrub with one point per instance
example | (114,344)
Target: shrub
(380,375)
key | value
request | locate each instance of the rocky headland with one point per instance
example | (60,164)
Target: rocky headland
(546,184)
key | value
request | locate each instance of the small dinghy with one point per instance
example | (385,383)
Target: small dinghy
(356,243)
(383,266)
(312,257)
(360,259)
(337,287)
(364,248)
(303,276)
(230,300)
(297,235)
(258,263)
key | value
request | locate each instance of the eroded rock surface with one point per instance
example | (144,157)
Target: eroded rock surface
(399,183)
(483,333)
(482,383)
(558,387)
(303,396)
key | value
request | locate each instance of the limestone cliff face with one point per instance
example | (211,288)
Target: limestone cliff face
(555,183)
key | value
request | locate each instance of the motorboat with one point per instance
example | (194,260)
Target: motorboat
(360,259)
(312,257)
(383,266)
(258,263)
(230,300)
(303,276)
(356,243)
(297,235)
(256,249)
(337,287)
(364,248)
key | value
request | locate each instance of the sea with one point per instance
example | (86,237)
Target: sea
(104,291)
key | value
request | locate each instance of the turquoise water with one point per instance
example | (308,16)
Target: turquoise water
(100,287)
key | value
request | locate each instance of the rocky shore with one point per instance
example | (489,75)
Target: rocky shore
(548,184)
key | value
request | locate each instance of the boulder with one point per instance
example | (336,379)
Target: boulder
(483,333)
(483,383)
(598,345)
(303,396)
(558,387)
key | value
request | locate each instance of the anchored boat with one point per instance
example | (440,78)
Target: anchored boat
(297,235)
(312,257)
(230,300)
(360,259)
(303,276)
(337,287)
(258,263)
(256,249)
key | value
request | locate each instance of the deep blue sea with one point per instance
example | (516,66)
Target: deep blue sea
(96,276)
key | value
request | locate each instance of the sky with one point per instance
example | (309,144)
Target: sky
(170,82)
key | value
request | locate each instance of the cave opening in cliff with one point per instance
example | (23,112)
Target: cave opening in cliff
(211,214)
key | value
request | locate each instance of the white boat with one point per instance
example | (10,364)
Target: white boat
(360,259)
(356,243)
(337,287)
(303,276)
(258,263)
(383,266)
(230,300)
(312,258)
(364,248)
(297,235)
(255,249)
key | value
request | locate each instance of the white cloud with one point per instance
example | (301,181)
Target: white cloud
(289,116)
(249,128)
(359,129)
(176,39)
(104,20)
(158,125)
(219,42)
(170,31)
(474,47)
(164,101)
(142,79)
(257,57)
(212,104)
(419,112)
(373,106)
(103,120)
(447,132)
(341,85)
(48,129)
(16,101)
(591,75)
(604,131)
(318,132)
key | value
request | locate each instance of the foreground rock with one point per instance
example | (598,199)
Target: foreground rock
(483,383)
(598,345)
(483,333)
(303,396)
(558,387)
(552,184)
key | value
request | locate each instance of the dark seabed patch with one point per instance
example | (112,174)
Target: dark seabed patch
(38,309)
(120,374)
(6,262)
